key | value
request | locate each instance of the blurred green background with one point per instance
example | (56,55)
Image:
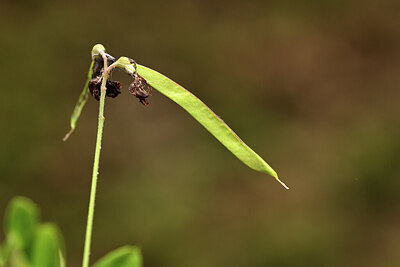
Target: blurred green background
(312,86)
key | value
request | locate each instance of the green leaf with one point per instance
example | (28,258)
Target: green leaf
(127,256)
(21,220)
(80,103)
(206,117)
(46,247)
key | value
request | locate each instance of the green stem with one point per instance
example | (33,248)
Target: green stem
(89,226)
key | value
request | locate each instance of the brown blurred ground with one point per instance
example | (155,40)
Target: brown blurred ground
(312,86)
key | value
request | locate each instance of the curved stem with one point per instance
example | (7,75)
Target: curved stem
(89,226)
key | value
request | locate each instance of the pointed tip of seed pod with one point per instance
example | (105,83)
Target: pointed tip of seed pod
(275,175)
(282,183)
(68,135)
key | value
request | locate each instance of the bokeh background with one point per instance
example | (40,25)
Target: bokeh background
(312,86)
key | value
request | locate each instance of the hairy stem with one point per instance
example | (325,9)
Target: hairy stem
(89,226)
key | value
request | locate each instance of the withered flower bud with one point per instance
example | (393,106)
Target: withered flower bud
(113,88)
(97,67)
(140,88)
(99,64)
(95,87)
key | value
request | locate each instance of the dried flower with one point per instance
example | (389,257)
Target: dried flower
(113,87)
(140,88)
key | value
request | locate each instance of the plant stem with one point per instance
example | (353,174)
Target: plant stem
(89,226)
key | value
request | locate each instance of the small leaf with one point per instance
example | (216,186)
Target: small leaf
(46,247)
(127,256)
(20,223)
(206,117)
(80,103)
